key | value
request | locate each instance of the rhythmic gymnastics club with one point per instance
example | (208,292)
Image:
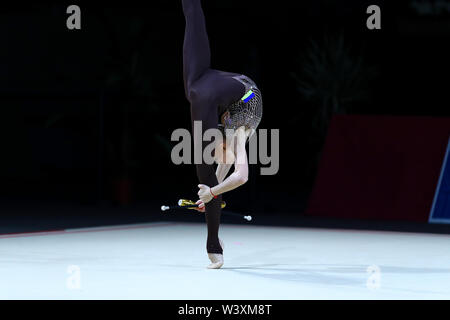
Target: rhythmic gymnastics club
(188,204)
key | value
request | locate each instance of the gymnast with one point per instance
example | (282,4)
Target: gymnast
(226,101)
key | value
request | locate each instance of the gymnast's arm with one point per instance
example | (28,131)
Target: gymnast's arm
(222,171)
(236,179)
(240,174)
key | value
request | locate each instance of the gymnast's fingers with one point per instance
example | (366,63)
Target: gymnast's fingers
(200,204)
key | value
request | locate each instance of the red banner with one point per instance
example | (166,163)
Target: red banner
(380,167)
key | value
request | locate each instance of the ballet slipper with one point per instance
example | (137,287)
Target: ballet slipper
(216,258)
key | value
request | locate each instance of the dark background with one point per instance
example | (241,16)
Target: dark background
(87,115)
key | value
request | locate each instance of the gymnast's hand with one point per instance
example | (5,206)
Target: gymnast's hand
(204,193)
(201,206)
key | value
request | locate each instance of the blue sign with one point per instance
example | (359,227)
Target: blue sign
(440,211)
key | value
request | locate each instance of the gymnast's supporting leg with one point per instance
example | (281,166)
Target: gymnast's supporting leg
(196,62)
(206,175)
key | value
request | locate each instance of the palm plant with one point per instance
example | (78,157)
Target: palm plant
(332,79)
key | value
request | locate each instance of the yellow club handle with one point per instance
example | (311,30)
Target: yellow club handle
(185,202)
